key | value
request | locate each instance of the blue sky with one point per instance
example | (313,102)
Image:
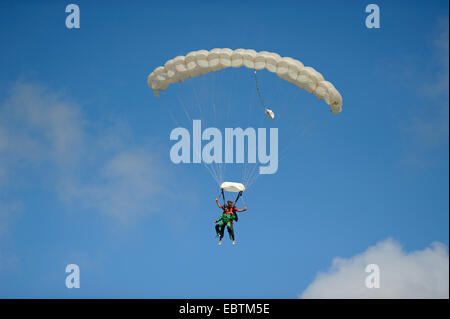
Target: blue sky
(85,174)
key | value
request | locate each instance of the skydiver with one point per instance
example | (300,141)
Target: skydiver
(220,228)
(226,218)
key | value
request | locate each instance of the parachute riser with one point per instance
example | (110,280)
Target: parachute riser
(237,198)
(223,196)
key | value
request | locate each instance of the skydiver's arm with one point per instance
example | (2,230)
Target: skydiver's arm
(241,210)
(217,202)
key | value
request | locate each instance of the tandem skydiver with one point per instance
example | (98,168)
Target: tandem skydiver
(226,218)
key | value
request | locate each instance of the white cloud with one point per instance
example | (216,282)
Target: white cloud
(418,274)
(427,126)
(441,63)
(39,125)
(127,186)
(44,142)
(37,129)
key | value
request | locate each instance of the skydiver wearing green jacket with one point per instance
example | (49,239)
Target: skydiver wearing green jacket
(226,218)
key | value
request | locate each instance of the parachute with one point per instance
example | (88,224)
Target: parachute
(202,102)
(201,62)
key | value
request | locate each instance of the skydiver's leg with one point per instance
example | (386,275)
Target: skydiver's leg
(219,229)
(222,230)
(230,230)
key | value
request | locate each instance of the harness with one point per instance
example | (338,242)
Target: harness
(230,211)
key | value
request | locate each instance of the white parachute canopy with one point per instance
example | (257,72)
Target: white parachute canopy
(200,62)
(232,187)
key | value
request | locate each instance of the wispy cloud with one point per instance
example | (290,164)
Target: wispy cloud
(38,132)
(126,186)
(38,129)
(418,274)
(40,125)
(9,212)
(45,142)
(427,126)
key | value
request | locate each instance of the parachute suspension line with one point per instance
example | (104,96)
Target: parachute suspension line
(226,115)
(213,167)
(213,97)
(212,89)
(198,100)
(247,167)
(259,93)
(289,126)
(233,86)
(237,198)
(210,170)
(186,111)
(253,169)
(221,165)
(245,174)
(291,103)
(254,174)
(169,112)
